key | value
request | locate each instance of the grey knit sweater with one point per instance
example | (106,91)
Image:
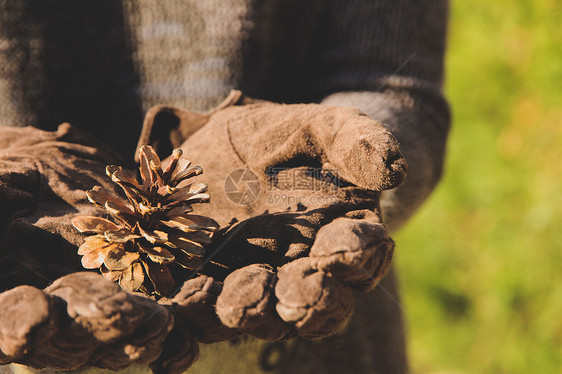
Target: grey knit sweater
(99,64)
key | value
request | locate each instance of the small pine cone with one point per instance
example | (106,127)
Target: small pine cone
(152,230)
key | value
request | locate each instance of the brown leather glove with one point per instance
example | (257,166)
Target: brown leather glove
(80,319)
(293,253)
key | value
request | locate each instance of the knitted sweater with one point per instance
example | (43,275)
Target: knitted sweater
(100,64)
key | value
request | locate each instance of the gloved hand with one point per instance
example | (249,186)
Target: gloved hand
(43,177)
(80,319)
(293,254)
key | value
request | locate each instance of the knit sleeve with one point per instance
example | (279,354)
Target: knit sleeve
(386,58)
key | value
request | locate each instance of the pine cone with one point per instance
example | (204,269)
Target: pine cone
(152,231)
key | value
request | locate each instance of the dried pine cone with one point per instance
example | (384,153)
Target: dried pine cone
(152,230)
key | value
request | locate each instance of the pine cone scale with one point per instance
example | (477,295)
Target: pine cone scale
(120,259)
(91,224)
(132,278)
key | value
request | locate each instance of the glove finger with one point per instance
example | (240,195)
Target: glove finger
(315,303)
(28,318)
(31,324)
(355,249)
(247,303)
(144,345)
(194,305)
(362,150)
(108,328)
(99,306)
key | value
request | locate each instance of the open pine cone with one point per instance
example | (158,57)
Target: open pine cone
(153,231)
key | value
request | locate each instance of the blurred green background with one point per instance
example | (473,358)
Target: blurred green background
(481,262)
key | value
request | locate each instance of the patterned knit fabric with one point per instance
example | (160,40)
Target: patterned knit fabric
(100,64)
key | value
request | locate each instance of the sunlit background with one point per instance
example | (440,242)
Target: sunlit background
(481,264)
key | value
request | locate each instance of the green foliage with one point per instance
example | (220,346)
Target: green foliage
(481,263)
